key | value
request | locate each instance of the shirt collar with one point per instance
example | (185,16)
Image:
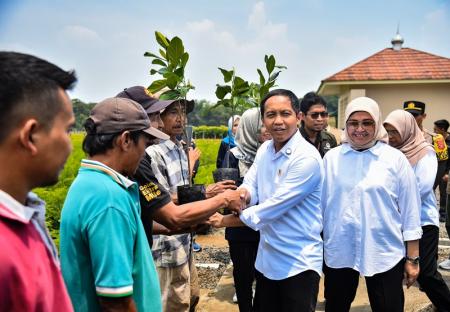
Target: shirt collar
(288,148)
(172,145)
(319,137)
(375,150)
(12,209)
(116,176)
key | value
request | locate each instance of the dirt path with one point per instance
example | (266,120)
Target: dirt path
(220,298)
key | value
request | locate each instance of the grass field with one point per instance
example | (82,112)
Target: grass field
(54,196)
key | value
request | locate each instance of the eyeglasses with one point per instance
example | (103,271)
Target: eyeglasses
(316,115)
(364,124)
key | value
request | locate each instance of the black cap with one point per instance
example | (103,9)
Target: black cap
(414,107)
(142,96)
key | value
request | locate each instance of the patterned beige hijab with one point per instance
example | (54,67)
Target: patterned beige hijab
(413,143)
(365,104)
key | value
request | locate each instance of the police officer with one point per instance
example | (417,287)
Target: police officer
(314,120)
(417,109)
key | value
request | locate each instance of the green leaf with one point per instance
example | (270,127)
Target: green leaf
(184,59)
(222,91)
(170,95)
(227,74)
(149,54)
(270,64)
(161,39)
(153,71)
(159,62)
(172,80)
(274,76)
(265,58)
(262,80)
(281,67)
(179,72)
(163,53)
(175,50)
(263,91)
(157,85)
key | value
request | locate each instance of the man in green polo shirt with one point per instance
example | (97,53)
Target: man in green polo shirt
(104,250)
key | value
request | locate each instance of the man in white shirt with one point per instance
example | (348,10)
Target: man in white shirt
(283,188)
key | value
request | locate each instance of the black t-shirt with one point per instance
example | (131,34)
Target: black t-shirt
(152,195)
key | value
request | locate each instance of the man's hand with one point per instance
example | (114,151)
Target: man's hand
(233,200)
(445,178)
(219,187)
(194,154)
(411,273)
(215,220)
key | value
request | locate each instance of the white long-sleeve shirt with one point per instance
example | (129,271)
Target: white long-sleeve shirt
(287,187)
(371,206)
(425,172)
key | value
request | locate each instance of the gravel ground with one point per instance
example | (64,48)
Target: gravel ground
(208,278)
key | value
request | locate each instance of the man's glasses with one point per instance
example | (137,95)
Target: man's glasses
(317,114)
(364,124)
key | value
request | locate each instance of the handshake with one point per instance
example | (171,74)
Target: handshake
(236,201)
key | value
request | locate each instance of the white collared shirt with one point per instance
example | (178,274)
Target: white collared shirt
(371,206)
(287,185)
(425,171)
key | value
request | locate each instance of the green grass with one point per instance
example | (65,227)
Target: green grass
(55,195)
(209,149)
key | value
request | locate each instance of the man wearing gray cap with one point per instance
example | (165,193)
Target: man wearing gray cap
(104,250)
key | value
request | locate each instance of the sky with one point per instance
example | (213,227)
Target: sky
(104,41)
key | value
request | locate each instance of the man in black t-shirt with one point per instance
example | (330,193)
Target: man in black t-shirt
(156,202)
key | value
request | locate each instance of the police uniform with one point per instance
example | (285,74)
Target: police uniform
(324,140)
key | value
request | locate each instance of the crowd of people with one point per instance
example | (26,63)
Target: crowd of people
(308,203)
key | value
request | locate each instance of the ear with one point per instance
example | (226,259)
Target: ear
(301,116)
(125,140)
(28,136)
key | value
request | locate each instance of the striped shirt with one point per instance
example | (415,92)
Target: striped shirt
(170,166)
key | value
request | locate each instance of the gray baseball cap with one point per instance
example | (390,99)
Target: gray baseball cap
(115,115)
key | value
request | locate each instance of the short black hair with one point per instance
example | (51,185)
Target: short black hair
(442,123)
(96,144)
(29,86)
(310,99)
(282,92)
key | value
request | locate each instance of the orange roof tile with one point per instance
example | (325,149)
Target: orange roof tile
(388,64)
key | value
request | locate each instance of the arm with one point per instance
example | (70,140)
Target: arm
(217,220)
(108,304)
(408,201)
(425,173)
(411,270)
(177,217)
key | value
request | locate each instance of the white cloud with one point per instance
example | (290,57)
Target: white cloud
(78,32)
(213,45)
(257,18)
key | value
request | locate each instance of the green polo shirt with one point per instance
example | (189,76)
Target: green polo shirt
(104,249)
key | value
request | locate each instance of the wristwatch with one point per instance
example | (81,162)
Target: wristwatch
(413,260)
